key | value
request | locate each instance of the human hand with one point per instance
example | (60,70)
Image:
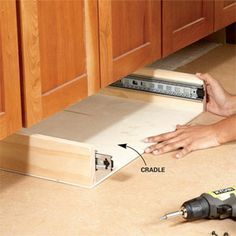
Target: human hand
(218,100)
(187,138)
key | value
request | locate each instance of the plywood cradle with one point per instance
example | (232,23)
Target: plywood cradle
(63,148)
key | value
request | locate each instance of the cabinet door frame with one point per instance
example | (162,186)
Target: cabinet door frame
(113,69)
(10,112)
(175,39)
(36,105)
(224,15)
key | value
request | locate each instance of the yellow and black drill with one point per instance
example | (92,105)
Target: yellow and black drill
(219,204)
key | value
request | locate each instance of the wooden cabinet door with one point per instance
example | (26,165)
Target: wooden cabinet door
(59,46)
(185,22)
(130,36)
(10,101)
(225,13)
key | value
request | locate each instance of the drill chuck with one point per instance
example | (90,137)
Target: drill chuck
(196,208)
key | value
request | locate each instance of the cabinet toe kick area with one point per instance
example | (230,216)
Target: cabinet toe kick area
(80,145)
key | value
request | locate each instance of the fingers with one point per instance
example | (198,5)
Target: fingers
(180,126)
(205,77)
(162,137)
(166,142)
(164,148)
(165,136)
(167,147)
(183,126)
(186,150)
(159,145)
(178,139)
(186,138)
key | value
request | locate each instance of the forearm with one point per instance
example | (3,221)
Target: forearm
(226,130)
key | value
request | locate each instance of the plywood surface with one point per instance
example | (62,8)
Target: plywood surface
(130,202)
(105,121)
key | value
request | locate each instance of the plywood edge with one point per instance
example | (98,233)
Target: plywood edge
(169,75)
(162,101)
(49,158)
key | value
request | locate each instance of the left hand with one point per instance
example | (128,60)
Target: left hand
(187,138)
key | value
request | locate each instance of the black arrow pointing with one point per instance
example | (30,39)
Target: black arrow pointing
(124,145)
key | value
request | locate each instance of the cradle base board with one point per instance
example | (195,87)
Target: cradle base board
(62,148)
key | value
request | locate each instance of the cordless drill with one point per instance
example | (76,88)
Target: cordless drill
(219,204)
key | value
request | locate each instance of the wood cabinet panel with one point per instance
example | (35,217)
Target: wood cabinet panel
(130,36)
(228,2)
(225,13)
(129,21)
(61,33)
(184,22)
(188,6)
(59,55)
(1,80)
(10,101)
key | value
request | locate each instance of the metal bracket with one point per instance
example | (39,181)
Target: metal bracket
(103,162)
(162,87)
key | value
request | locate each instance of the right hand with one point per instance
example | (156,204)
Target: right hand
(188,138)
(218,99)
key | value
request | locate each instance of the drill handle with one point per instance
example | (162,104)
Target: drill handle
(232,202)
(219,208)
